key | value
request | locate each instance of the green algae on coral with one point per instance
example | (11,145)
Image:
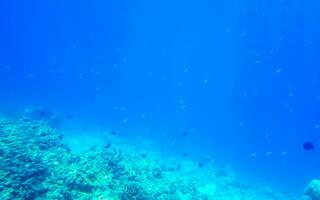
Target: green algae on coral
(36,164)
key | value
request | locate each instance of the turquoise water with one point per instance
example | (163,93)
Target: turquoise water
(229,85)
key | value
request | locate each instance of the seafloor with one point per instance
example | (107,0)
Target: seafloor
(36,164)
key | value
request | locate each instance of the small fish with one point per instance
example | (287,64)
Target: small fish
(308,146)
(42,113)
(185,155)
(200,164)
(185,133)
(113,133)
(68,116)
(107,146)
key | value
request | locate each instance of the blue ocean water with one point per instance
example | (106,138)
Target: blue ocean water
(234,81)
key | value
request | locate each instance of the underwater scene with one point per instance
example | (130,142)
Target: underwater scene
(160,100)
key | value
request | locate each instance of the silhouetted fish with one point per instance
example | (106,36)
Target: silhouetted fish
(308,146)
(68,116)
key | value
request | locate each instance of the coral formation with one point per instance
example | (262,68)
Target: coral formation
(36,164)
(312,191)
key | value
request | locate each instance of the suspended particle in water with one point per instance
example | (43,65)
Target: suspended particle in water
(253,154)
(186,70)
(123,108)
(205,81)
(125,120)
(256,62)
(277,71)
(244,95)
(80,76)
(310,42)
(180,85)
(7,67)
(255,92)
(124,59)
(97,89)
(268,153)
(283,153)
(52,57)
(183,107)
(243,34)
(30,75)
(93,70)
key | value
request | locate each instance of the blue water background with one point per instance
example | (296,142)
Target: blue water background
(241,78)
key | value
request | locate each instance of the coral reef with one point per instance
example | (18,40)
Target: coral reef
(312,191)
(36,164)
